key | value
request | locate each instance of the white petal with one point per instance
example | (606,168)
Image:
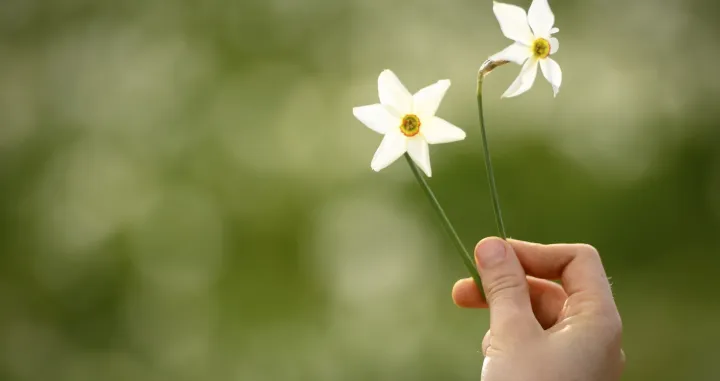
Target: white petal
(541,18)
(427,100)
(419,151)
(516,52)
(393,94)
(554,45)
(554,30)
(393,145)
(376,117)
(524,81)
(551,71)
(513,22)
(437,131)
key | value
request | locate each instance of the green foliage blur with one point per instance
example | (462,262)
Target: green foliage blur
(185,194)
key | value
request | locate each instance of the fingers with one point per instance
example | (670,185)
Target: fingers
(578,266)
(506,288)
(547,298)
(466,295)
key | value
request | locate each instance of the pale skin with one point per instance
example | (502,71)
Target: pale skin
(541,330)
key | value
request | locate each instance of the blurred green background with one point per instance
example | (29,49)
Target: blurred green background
(185,194)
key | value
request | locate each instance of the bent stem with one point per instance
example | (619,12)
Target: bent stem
(488,162)
(464,254)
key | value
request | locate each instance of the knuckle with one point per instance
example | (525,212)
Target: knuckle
(504,285)
(612,327)
(617,323)
(616,337)
(588,251)
(590,257)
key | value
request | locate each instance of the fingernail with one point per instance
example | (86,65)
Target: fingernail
(490,252)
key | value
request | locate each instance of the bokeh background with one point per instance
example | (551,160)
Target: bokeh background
(185,194)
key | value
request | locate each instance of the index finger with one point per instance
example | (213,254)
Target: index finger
(578,266)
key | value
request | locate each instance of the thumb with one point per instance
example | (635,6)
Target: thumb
(506,288)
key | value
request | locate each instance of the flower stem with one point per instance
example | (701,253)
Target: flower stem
(464,254)
(488,161)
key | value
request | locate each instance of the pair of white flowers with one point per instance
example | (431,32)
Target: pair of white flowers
(408,121)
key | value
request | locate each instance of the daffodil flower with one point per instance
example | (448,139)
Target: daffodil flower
(407,121)
(410,125)
(532,33)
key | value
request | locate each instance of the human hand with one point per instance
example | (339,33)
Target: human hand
(540,330)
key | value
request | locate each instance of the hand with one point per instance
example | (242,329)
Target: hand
(540,330)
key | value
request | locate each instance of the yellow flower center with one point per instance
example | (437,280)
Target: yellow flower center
(410,125)
(541,48)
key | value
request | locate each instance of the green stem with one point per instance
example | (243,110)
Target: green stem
(464,254)
(488,162)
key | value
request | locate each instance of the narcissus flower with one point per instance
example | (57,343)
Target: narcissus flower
(407,121)
(531,46)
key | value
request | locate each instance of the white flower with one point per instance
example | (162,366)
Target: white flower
(407,121)
(531,46)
